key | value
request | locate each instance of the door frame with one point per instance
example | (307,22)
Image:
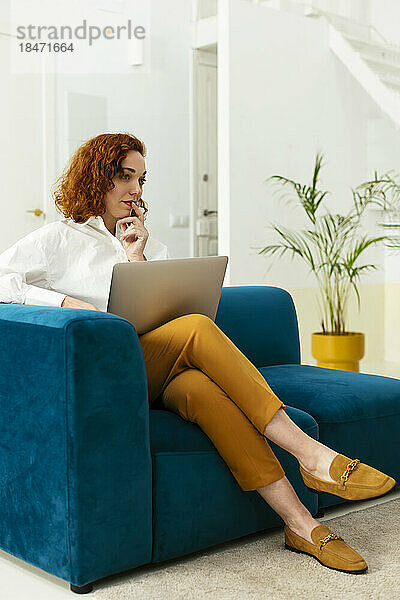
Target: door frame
(200,56)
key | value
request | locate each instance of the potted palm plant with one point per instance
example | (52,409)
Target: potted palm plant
(332,245)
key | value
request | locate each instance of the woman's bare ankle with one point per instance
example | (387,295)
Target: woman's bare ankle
(318,462)
(302,525)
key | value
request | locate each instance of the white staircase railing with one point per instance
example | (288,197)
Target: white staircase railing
(371,59)
(387,99)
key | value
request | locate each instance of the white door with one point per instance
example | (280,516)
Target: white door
(205,152)
(24,171)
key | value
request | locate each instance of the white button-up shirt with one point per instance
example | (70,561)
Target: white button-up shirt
(65,258)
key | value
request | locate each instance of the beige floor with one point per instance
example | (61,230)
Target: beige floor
(21,581)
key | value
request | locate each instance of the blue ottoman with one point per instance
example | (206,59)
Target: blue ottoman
(358,414)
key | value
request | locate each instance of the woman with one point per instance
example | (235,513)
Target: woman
(69,263)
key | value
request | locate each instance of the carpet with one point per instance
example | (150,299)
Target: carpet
(258,567)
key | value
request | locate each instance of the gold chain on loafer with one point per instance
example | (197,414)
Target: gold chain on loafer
(368,482)
(328,538)
(350,467)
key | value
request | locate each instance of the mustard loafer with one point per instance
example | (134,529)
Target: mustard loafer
(328,548)
(353,480)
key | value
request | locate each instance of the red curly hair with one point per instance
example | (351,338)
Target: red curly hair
(88,176)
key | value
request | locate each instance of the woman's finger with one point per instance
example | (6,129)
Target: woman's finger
(132,229)
(126,220)
(138,212)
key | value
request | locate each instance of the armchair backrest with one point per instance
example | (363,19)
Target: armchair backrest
(261,321)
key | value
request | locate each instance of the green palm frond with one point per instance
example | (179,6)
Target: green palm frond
(392,241)
(360,246)
(293,243)
(384,191)
(308,195)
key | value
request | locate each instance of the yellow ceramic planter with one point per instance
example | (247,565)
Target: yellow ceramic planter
(338,351)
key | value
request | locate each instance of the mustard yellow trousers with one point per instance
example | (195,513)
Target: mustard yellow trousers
(200,374)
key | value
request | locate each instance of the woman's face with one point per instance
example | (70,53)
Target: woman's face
(128,188)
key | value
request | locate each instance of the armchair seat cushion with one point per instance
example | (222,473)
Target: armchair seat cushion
(197,502)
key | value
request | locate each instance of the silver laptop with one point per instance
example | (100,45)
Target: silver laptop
(151,293)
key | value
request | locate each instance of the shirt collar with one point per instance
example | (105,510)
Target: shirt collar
(98,223)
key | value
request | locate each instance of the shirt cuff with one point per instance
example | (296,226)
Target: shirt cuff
(43,297)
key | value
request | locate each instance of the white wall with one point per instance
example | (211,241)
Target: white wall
(154,106)
(21,144)
(289,98)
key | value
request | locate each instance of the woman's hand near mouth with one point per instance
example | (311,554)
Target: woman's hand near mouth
(134,235)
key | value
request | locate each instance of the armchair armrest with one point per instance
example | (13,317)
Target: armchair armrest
(261,320)
(75,462)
